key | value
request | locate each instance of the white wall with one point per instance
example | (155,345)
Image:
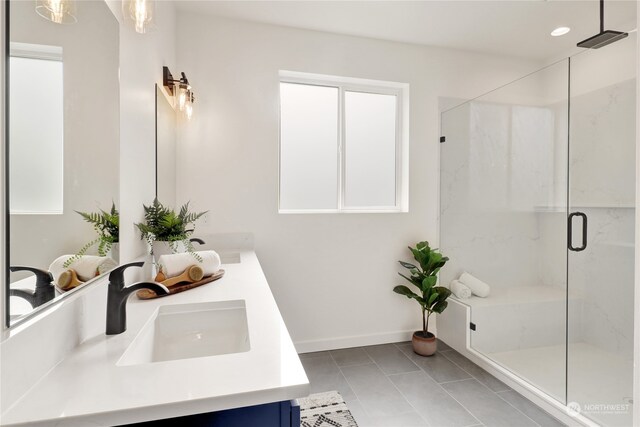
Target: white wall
(331,274)
(141,59)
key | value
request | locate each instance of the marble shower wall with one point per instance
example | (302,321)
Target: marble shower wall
(497,170)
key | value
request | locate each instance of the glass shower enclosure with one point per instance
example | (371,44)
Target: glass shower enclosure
(538,201)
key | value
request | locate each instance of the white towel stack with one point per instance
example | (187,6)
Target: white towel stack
(477,286)
(459,289)
(86,267)
(175,264)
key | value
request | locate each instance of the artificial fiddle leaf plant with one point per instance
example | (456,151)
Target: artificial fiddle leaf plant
(432,298)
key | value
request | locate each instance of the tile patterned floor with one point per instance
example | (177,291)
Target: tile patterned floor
(390,386)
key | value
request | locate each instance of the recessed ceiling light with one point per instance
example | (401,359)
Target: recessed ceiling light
(560,31)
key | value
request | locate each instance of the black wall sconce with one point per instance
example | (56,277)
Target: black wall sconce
(181,91)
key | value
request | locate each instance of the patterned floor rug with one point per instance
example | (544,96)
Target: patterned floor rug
(325,410)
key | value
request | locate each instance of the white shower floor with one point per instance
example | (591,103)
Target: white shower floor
(596,377)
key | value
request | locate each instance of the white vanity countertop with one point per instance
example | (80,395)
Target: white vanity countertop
(88,388)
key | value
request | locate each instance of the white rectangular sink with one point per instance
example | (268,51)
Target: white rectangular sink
(185,331)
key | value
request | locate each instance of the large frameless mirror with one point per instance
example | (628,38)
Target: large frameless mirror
(62,151)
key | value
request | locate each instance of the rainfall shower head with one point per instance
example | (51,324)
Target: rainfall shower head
(603,38)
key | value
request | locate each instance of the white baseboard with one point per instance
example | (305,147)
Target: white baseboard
(310,346)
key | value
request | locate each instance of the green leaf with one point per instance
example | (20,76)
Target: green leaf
(407,265)
(439,307)
(414,282)
(432,298)
(443,292)
(428,283)
(403,290)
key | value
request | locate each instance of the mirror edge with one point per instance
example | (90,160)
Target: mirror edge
(155,117)
(4,154)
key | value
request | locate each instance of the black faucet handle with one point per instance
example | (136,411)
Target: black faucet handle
(197,240)
(43,277)
(117,274)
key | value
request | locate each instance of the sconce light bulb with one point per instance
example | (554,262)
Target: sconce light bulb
(57,11)
(188,110)
(182,98)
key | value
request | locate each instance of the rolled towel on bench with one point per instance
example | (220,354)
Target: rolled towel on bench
(86,267)
(459,289)
(477,286)
(175,264)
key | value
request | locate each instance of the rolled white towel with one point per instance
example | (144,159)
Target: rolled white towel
(86,267)
(175,264)
(459,289)
(477,286)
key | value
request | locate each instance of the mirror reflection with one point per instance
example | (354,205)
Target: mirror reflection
(63,152)
(166,122)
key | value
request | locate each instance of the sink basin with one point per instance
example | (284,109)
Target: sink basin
(185,331)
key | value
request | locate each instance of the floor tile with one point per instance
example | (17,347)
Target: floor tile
(350,356)
(377,394)
(409,419)
(437,366)
(442,346)
(486,406)
(431,401)
(314,354)
(390,359)
(529,409)
(477,372)
(324,375)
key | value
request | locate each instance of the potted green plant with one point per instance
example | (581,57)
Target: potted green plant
(432,298)
(107,225)
(167,231)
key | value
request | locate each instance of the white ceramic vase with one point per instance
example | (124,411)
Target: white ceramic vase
(114,252)
(161,247)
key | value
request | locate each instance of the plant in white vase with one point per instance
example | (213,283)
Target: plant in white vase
(166,231)
(107,225)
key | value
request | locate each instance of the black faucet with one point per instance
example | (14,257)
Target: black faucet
(44,291)
(118,294)
(196,240)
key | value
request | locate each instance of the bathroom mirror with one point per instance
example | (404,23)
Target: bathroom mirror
(166,121)
(62,152)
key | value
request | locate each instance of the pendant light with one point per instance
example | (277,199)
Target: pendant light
(140,13)
(58,11)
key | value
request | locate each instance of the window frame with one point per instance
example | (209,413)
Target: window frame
(349,84)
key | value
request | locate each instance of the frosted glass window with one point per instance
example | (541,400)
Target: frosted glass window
(370,150)
(36,133)
(308,147)
(343,144)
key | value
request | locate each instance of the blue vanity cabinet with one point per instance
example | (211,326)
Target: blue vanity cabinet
(277,414)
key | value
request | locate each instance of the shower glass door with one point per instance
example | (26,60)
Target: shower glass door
(503,220)
(602,215)
(538,201)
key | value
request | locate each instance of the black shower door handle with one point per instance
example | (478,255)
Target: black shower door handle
(570,231)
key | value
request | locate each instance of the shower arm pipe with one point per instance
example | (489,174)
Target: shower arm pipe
(601,16)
